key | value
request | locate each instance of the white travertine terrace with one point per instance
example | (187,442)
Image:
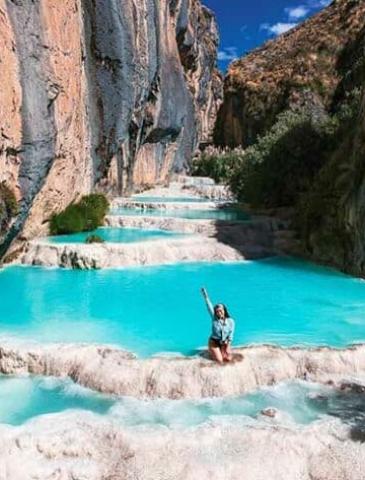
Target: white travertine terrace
(113,371)
(114,255)
(148,205)
(84,446)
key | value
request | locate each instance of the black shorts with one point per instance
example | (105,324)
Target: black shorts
(216,343)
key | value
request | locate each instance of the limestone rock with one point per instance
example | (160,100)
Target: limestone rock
(112,95)
(84,446)
(109,370)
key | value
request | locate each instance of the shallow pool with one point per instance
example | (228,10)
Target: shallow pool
(228,214)
(160,309)
(23,398)
(169,199)
(114,235)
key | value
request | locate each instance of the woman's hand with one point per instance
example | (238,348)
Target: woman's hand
(204,292)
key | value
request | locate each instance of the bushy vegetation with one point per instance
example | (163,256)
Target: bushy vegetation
(94,239)
(282,164)
(216,163)
(86,215)
(292,164)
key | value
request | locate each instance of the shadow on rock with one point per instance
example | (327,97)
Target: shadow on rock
(253,239)
(347,404)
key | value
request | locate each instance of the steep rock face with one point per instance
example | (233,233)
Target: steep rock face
(99,94)
(336,232)
(301,69)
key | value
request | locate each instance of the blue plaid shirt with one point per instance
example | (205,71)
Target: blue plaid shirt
(222,330)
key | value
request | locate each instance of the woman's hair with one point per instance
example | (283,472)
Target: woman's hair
(226,314)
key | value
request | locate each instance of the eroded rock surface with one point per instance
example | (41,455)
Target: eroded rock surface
(110,370)
(109,255)
(109,94)
(84,446)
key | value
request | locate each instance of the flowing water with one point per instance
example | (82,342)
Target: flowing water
(300,403)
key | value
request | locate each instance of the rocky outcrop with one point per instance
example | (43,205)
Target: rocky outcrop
(303,69)
(333,215)
(335,233)
(81,445)
(114,255)
(112,371)
(108,94)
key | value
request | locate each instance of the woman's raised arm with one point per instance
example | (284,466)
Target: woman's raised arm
(208,302)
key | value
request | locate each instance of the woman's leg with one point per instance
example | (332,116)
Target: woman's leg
(215,351)
(227,352)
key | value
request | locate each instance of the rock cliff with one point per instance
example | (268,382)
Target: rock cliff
(305,68)
(317,69)
(106,94)
(334,227)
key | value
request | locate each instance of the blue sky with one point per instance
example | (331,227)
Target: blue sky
(246,24)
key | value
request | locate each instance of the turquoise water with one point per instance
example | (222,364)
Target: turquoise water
(114,235)
(298,400)
(228,214)
(23,398)
(159,309)
(169,199)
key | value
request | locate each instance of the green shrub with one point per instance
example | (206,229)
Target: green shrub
(216,164)
(86,215)
(281,166)
(94,239)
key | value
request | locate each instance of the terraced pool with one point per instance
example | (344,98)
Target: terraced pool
(169,199)
(300,403)
(115,235)
(159,309)
(228,214)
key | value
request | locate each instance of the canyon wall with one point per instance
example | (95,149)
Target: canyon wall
(317,71)
(108,94)
(302,69)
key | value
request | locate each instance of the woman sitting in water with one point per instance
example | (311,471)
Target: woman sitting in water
(222,331)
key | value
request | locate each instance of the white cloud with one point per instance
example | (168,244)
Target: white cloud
(313,4)
(295,13)
(277,28)
(228,54)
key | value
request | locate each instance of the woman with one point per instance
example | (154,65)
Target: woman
(222,331)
